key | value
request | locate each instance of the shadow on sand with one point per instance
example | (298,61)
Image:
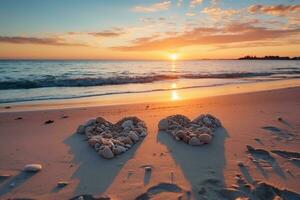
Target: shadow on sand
(201,165)
(14,182)
(95,173)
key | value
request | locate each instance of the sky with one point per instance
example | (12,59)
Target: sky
(148,30)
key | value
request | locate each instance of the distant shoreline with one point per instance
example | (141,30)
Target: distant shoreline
(269,58)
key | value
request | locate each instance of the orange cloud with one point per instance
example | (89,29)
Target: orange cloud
(232,33)
(153,8)
(219,13)
(194,3)
(279,10)
(36,40)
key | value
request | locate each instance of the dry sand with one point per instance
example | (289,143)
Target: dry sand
(177,169)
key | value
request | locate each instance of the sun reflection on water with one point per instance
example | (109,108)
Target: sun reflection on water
(174,93)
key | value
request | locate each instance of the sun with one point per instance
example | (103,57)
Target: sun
(173,56)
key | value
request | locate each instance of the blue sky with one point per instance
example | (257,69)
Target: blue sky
(38,16)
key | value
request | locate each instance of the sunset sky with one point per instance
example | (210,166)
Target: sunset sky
(154,29)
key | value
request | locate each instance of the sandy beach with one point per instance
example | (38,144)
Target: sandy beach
(265,120)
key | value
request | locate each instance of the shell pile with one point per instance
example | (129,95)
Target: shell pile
(197,132)
(110,140)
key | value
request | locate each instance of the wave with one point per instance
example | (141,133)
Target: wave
(51,81)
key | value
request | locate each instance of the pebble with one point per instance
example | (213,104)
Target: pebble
(32,167)
(106,153)
(240,163)
(194,141)
(49,122)
(205,138)
(163,124)
(133,136)
(127,123)
(81,129)
(62,183)
(148,168)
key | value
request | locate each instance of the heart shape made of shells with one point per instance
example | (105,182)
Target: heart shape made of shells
(109,139)
(196,132)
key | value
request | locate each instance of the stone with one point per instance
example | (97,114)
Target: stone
(100,120)
(90,122)
(118,150)
(62,183)
(186,138)
(205,138)
(143,133)
(92,142)
(89,130)
(81,129)
(49,121)
(163,124)
(32,168)
(207,121)
(148,168)
(106,153)
(194,141)
(97,146)
(126,140)
(133,136)
(127,123)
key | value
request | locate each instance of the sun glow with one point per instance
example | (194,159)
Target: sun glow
(173,56)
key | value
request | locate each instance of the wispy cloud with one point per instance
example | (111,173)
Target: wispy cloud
(232,33)
(218,13)
(37,40)
(190,14)
(106,33)
(165,5)
(279,10)
(194,3)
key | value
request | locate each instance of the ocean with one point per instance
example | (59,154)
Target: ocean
(23,81)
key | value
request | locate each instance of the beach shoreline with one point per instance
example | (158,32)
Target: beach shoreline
(65,156)
(150,97)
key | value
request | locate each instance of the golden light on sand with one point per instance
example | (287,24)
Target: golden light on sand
(173,56)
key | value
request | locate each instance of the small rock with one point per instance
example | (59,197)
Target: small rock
(106,153)
(133,136)
(163,124)
(32,167)
(148,168)
(205,138)
(62,183)
(240,163)
(18,118)
(195,141)
(81,129)
(127,123)
(49,121)
(118,150)
(90,122)
(4,176)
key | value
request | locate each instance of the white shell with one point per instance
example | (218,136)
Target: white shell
(32,167)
